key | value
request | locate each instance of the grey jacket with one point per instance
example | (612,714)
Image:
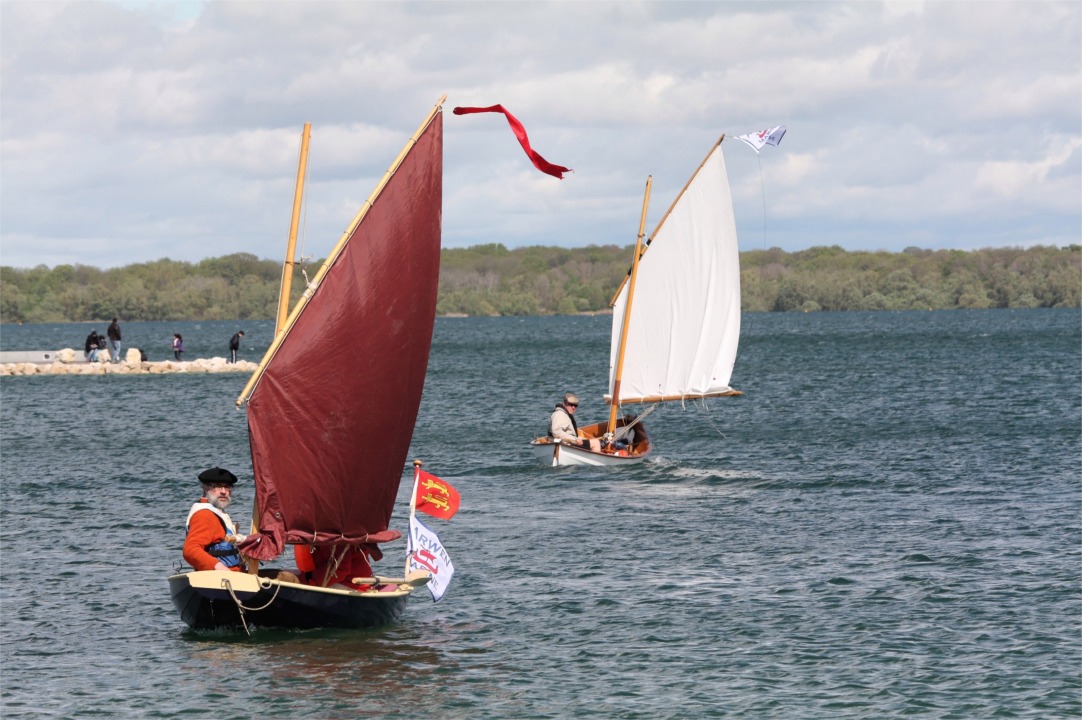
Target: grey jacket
(562,426)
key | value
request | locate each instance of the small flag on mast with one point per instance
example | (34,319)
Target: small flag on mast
(759,140)
(436,497)
(556,171)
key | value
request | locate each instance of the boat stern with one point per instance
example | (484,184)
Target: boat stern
(547,451)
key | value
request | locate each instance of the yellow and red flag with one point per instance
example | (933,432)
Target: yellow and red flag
(436,497)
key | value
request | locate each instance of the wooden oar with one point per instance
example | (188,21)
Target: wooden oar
(416,579)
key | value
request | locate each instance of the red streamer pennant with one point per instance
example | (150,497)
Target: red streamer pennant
(557,171)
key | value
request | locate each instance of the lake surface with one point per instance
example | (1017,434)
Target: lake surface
(887,524)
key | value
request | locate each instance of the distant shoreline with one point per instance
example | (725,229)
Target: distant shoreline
(493,281)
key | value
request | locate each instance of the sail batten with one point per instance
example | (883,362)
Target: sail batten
(683,332)
(331,411)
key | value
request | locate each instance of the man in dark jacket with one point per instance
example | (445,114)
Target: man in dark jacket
(234,345)
(114,340)
(90,348)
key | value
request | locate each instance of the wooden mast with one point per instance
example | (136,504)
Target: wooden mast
(291,245)
(626,320)
(284,289)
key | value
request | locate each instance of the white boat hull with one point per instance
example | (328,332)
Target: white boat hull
(553,453)
(557,454)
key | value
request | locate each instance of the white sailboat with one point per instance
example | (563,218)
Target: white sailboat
(675,321)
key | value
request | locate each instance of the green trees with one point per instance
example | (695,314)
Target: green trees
(493,280)
(232,287)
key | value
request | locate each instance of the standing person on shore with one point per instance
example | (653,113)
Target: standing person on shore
(114,340)
(234,345)
(178,346)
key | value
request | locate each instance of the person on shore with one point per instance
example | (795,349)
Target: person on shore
(114,340)
(234,345)
(562,425)
(178,346)
(90,348)
(211,539)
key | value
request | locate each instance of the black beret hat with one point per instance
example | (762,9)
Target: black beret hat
(217,476)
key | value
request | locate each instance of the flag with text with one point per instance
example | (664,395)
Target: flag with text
(427,553)
(759,140)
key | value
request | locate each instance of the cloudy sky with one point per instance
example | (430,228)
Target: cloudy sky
(134,131)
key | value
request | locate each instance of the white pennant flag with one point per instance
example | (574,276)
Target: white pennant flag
(758,140)
(427,553)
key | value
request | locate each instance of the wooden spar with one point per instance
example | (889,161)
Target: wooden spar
(291,245)
(671,398)
(333,255)
(284,289)
(626,319)
(668,212)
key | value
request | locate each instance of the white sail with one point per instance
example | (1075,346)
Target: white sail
(685,315)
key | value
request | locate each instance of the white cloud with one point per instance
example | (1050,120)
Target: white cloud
(132,131)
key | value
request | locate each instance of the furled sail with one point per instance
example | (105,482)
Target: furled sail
(332,415)
(685,315)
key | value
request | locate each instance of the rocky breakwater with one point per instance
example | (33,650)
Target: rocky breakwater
(69,362)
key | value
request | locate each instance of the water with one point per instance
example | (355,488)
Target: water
(887,524)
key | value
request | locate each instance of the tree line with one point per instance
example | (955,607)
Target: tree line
(487,280)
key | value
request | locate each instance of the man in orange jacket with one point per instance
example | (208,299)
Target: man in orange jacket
(211,542)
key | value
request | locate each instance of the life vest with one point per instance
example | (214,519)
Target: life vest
(226,551)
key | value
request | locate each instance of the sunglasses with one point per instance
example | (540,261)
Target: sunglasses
(572,404)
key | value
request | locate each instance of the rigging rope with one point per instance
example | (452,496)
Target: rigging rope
(710,420)
(241,607)
(332,566)
(762,185)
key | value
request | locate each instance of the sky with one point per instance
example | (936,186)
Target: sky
(136,131)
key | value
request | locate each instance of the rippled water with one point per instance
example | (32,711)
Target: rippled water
(887,524)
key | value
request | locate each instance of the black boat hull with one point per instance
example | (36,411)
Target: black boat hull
(212,599)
